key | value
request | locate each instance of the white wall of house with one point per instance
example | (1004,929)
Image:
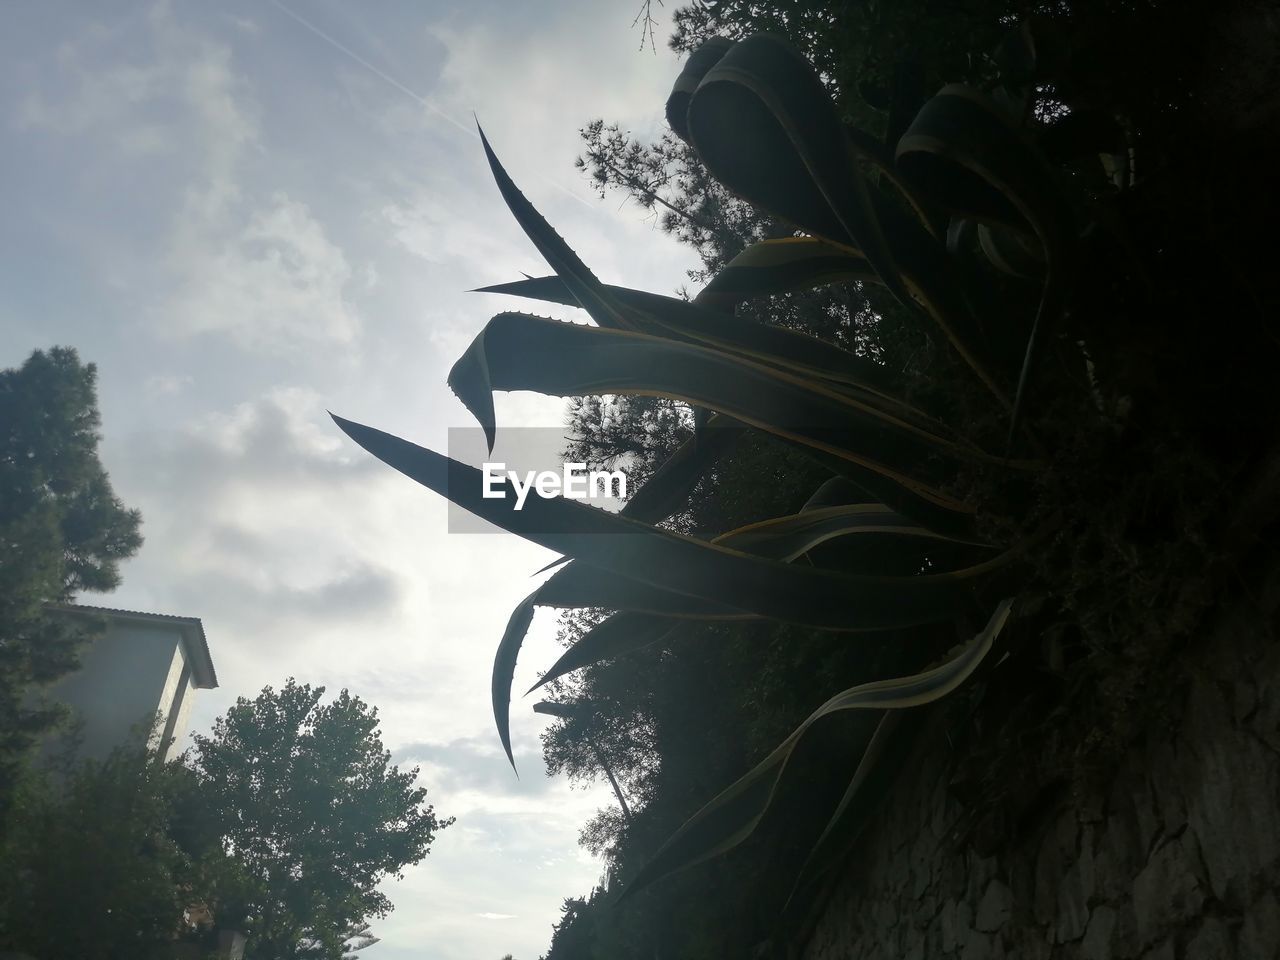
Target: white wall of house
(143,667)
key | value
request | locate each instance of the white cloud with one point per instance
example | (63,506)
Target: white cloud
(170,101)
(532,93)
(166,384)
(278,284)
(95,98)
(231,507)
(246,25)
(179,86)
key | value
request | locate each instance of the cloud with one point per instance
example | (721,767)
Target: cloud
(238,259)
(148,85)
(474,771)
(278,284)
(269,603)
(280,439)
(512,868)
(534,89)
(245,25)
(166,384)
(230,506)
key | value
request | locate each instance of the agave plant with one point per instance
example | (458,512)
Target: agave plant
(890,214)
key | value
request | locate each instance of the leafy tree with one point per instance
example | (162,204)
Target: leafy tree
(668,179)
(93,867)
(281,833)
(62,531)
(313,815)
(865,51)
(573,938)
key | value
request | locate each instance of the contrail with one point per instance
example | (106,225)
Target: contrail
(405,90)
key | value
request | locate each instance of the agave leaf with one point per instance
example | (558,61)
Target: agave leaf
(764,125)
(673,562)
(520,352)
(786,538)
(835,492)
(695,68)
(589,292)
(864,538)
(611,638)
(504,667)
(981,166)
(924,505)
(960,233)
(580,585)
(735,813)
(669,316)
(783,539)
(681,564)
(1009,252)
(564,711)
(791,263)
(647,612)
(669,486)
(871,779)
(766,128)
(781,265)
(649,615)
(880,156)
(775,266)
(937,290)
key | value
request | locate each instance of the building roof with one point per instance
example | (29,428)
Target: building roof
(191,630)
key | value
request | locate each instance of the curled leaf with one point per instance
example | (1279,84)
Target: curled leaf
(734,814)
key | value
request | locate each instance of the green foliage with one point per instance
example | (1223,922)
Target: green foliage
(52,477)
(94,864)
(678,721)
(62,531)
(668,178)
(871,55)
(312,814)
(736,812)
(280,824)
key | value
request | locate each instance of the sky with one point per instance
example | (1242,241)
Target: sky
(248,213)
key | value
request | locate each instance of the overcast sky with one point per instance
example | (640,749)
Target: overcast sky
(248,212)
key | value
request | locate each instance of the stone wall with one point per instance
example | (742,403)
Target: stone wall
(1174,855)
